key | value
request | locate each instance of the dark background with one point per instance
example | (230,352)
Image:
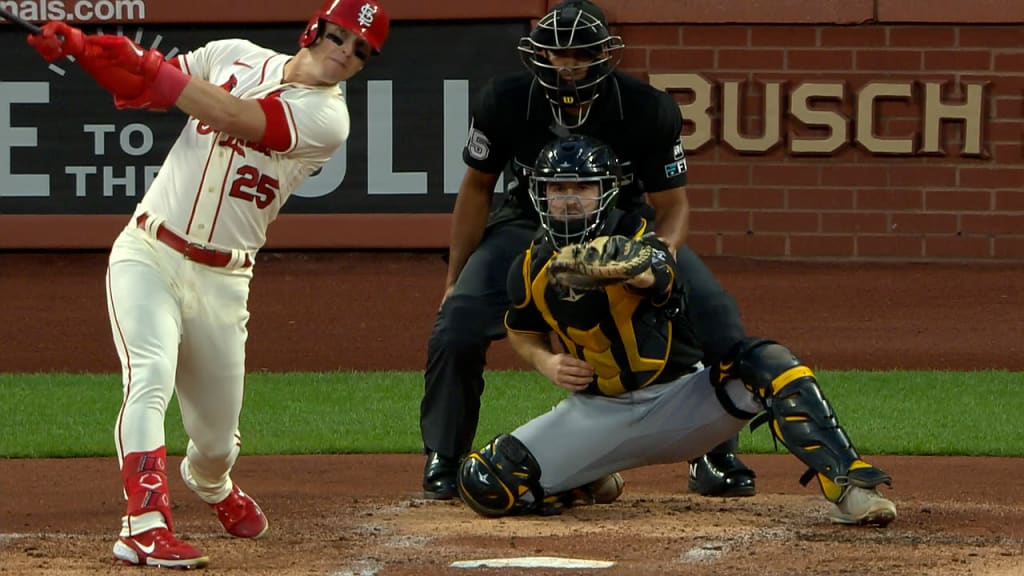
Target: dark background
(418,58)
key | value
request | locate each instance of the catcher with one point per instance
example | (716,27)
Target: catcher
(639,394)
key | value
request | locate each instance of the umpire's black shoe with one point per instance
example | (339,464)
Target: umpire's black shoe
(721,475)
(439,477)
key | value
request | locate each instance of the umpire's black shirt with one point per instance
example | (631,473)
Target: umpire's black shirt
(512,121)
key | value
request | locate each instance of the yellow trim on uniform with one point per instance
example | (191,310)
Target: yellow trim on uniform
(595,352)
(539,285)
(512,499)
(623,305)
(611,386)
(668,293)
(593,339)
(830,489)
(787,377)
(642,230)
(527,260)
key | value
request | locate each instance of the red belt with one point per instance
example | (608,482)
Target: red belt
(191,250)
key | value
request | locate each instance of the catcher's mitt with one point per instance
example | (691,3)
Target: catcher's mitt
(603,261)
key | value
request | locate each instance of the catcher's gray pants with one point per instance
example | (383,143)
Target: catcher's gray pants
(586,437)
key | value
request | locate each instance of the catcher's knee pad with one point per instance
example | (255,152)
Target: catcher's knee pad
(800,416)
(501,479)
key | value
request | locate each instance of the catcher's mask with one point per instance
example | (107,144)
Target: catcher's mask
(575,28)
(366,18)
(577,159)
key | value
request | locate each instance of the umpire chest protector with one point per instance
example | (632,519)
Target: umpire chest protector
(642,125)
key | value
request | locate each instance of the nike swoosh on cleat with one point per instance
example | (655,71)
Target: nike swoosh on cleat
(147,549)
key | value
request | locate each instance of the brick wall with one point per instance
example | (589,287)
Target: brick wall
(852,203)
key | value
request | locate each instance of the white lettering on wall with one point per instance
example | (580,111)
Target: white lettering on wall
(380,177)
(20,185)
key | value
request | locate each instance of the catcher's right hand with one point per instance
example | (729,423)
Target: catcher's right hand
(603,261)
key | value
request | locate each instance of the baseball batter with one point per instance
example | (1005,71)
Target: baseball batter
(259,123)
(632,361)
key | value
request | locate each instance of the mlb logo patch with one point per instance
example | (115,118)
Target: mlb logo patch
(675,168)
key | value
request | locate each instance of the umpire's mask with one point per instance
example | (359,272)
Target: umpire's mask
(570,53)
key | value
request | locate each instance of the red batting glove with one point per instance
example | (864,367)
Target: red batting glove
(57,40)
(101,59)
(163,81)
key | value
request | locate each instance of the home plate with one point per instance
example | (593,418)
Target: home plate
(533,562)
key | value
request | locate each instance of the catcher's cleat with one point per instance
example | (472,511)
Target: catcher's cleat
(158,547)
(604,490)
(721,474)
(864,506)
(439,474)
(240,515)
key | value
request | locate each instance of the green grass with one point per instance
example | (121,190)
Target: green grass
(63,415)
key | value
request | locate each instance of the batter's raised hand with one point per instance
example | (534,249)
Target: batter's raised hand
(567,372)
(58,40)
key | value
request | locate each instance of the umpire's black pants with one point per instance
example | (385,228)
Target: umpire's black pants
(473,316)
(468,321)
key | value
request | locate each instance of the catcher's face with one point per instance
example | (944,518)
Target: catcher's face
(569,200)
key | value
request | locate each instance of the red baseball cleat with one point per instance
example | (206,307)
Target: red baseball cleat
(240,515)
(158,547)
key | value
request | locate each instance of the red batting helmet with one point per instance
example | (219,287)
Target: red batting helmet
(364,17)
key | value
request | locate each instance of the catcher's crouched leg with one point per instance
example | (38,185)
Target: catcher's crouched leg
(501,479)
(803,420)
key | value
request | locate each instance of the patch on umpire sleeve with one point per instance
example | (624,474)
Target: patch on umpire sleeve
(675,168)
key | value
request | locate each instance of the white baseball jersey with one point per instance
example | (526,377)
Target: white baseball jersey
(178,320)
(222,192)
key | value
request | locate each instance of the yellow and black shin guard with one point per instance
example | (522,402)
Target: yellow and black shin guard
(801,418)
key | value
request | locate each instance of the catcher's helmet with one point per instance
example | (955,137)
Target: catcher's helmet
(580,26)
(364,17)
(576,158)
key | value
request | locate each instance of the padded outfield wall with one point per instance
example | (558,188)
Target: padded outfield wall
(853,129)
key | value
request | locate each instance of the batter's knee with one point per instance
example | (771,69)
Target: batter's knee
(151,383)
(212,459)
(501,479)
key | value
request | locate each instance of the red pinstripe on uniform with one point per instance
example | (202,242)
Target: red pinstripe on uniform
(199,190)
(128,362)
(220,200)
(263,70)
